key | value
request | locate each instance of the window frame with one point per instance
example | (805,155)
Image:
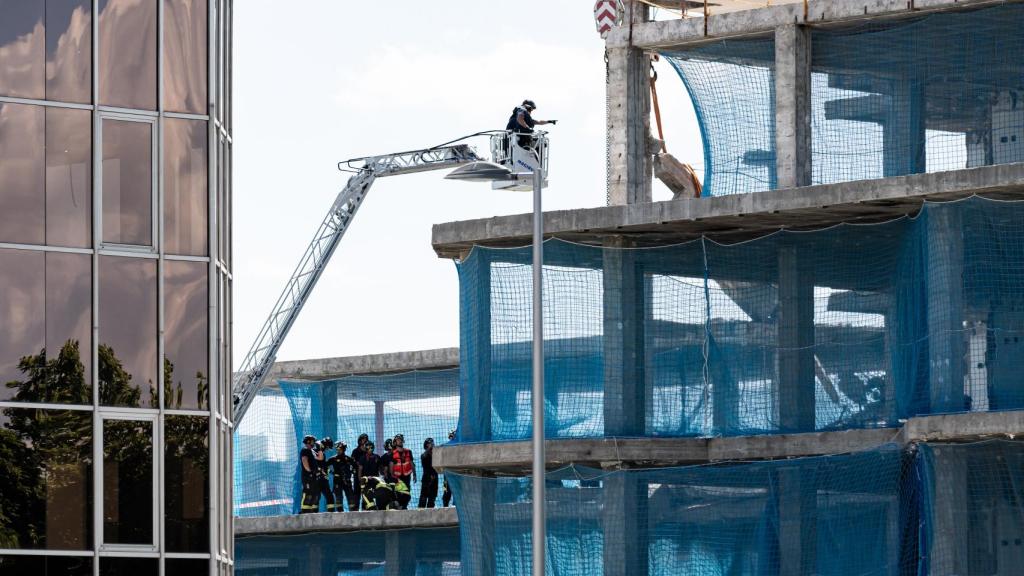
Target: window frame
(99,494)
(153,247)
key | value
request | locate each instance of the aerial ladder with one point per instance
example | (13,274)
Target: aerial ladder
(506,150)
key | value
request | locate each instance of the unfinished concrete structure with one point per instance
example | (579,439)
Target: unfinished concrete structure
(341,397)
(946,134)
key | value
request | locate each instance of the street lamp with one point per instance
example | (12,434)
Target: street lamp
(490,172)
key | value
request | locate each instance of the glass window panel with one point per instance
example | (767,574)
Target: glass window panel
(127,482)
(22,171)
(186,335)
(185,56)
(68,328)
(69,50)
(129,566)
(22,329)
(186,481)
(68,177)
(185,566)
(46,478)
(46,565)
(21,48)
(127,58)
(45,344)
(185,185)
(127,182)
(128,333)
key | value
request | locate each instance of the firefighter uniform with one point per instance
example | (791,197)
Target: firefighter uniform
(343,469)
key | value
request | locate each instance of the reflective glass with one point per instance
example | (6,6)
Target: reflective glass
(46,479)
(21,48)
(68,177)
(127,182)
(127,482)
(185,56)
(68,328)
(69,50)
(46,565)
(186,335)
(185,566)
(187,483)
(127,58)
(128,333)
(22,328)
(129,566)
(22,170)
(185,185)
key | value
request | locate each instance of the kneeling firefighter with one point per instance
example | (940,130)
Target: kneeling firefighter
(378,494)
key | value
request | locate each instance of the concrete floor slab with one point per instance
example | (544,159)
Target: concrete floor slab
(738,217)
(347,521)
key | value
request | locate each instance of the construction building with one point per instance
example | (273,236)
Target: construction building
(810,369)
(115,290)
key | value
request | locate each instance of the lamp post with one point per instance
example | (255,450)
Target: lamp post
(490,172)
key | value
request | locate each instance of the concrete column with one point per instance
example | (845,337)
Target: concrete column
(630,162)
(798,533)
(475,348)
(400,553)
(329,409)
(903,131)
(624,522)
(378,425)
(476,525)
(945,293)
(950,512)
(625,397)
(794,392)
(792,106)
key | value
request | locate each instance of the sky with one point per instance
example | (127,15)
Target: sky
(319,81)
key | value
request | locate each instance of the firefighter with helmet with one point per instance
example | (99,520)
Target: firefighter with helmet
(522,122)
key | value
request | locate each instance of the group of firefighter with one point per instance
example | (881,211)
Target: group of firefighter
(366,480)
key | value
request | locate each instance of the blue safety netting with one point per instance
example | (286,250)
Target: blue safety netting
(850,514)
(973,508)
(928,509)
(925,94)
(414,552)
(855,326)
(732,86)
(419,404)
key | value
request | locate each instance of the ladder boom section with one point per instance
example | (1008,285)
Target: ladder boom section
(260,358)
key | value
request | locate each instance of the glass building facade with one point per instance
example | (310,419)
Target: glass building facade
(115,287)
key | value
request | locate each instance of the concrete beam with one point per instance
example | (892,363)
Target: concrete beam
(740,216)
(514,458)
(347,521)
(678,33)
(326,368)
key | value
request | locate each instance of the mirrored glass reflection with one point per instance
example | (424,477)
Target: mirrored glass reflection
(129,566)
(128,333)
(45,344)
(187,470)
(127,53)
(127,182)
(185,56)
(22,330)
(21,48)
(46,565)
(22,151)
(68,328)
(127,482)
(186,335)
(47,503)
(69,50)
(185,186)
(68,177)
